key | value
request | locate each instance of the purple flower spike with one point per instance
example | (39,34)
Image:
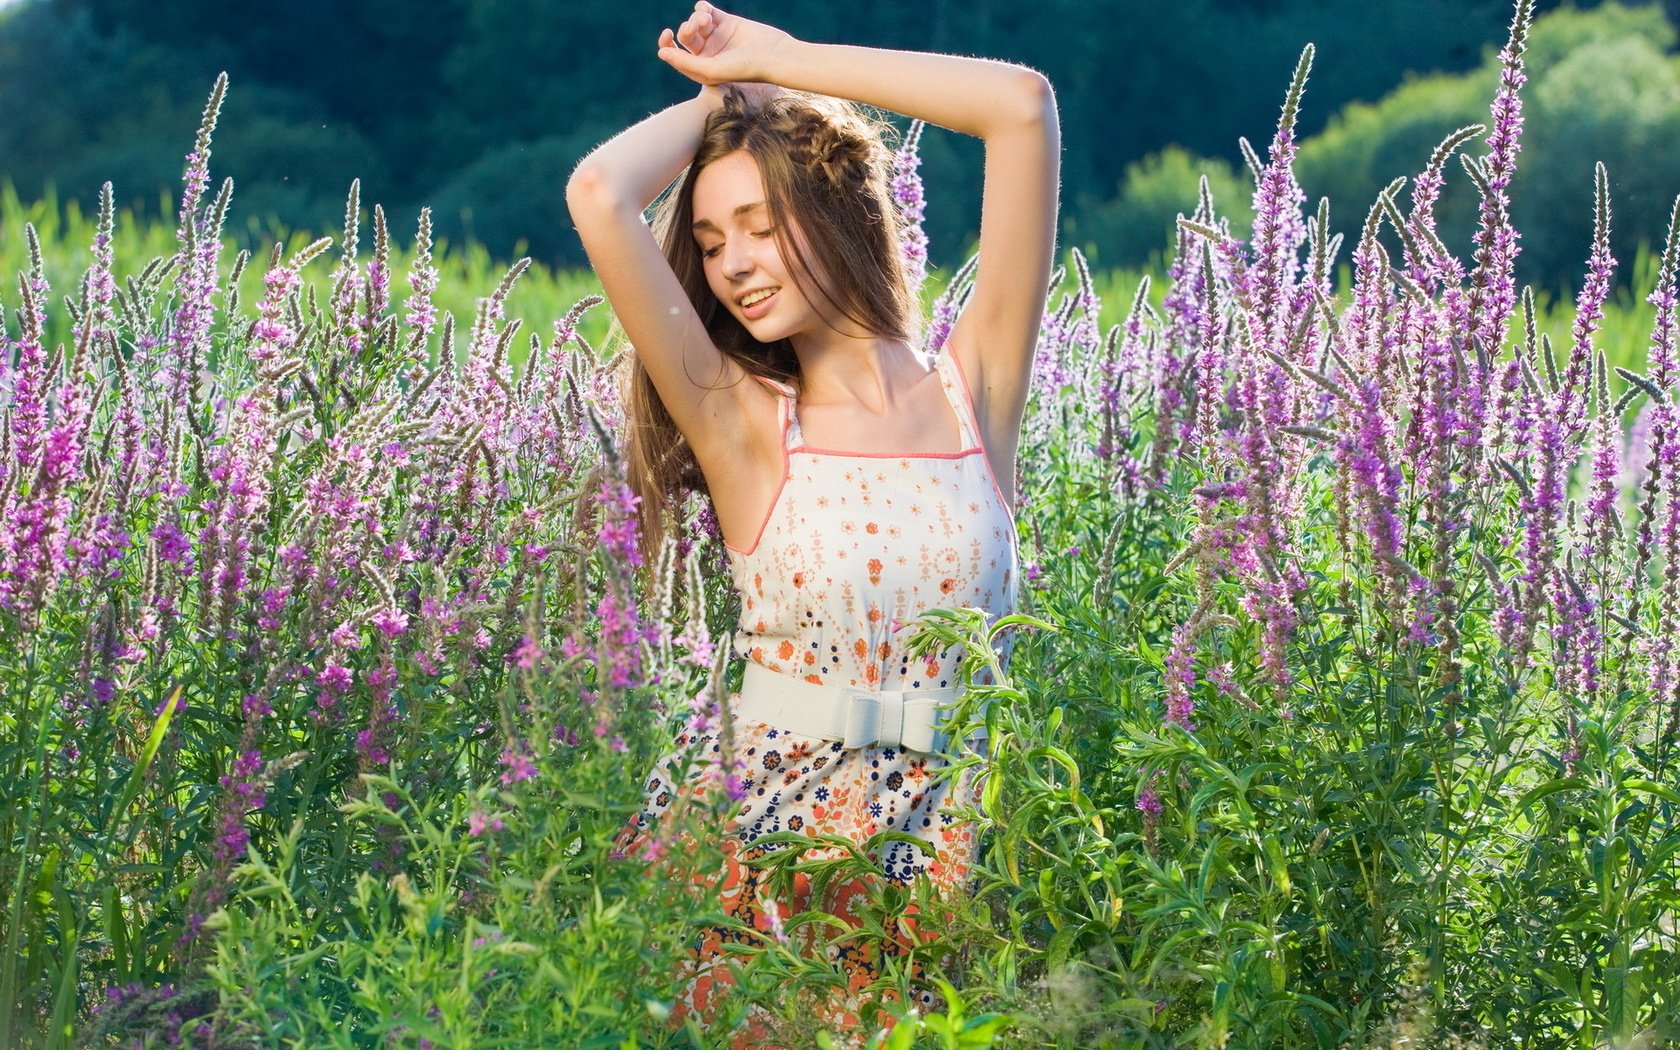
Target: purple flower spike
(1664,359)
(1181,676)
(1493,294)
(907,195)
(421,315)
(1589,312)
(618,533)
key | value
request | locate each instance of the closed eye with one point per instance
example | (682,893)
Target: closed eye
(707,253)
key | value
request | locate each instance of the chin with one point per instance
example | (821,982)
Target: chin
(764,335)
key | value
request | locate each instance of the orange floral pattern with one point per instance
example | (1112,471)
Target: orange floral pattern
(855,546)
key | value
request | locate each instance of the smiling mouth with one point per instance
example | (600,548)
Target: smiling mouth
(752,299)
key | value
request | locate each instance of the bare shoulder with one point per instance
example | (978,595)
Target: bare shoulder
(719,408)
(997,388)
(731,418)
(739,450)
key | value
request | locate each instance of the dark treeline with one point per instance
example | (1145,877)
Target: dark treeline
(481,107)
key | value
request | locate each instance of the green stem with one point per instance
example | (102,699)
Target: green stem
(14,921)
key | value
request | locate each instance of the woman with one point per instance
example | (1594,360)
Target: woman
(856,484)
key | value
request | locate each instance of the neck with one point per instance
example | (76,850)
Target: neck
(840,368)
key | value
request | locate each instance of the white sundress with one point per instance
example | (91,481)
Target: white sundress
(854,546)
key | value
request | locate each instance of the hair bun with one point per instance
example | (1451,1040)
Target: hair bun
(835,149)
(832,142)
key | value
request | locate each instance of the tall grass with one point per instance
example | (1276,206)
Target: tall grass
(66,234)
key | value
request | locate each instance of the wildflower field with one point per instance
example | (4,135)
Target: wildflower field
(1343,712)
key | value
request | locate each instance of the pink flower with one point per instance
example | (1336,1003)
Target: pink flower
(389,622)
(480,822)
(1148,801)
(517,766)
(1180,677)
(619,530)
(335,678)
(527,653)
(345,636)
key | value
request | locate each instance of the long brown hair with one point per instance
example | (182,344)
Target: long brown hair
(826,167)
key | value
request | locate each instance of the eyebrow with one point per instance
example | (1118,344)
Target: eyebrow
(740,209)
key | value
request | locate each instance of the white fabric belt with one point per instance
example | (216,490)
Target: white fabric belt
(858,717)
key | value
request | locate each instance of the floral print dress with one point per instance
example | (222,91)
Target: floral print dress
(855,545)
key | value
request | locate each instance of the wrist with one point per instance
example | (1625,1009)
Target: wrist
(784,57)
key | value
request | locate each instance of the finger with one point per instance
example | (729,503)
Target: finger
(691,36)
(686,64)
(667,38)
(676,58)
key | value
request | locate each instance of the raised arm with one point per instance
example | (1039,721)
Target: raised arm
(607,195)
(1011,107)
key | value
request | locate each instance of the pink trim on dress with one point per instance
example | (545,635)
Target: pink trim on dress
(787,471)
(886,455)
(785,421)
(979,435)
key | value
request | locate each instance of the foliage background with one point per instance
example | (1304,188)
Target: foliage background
(1453,820)
(480,108)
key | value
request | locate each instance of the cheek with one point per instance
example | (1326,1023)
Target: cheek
(714,280)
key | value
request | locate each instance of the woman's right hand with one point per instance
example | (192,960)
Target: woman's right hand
(719,48)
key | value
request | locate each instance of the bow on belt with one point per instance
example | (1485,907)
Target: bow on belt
(897,718)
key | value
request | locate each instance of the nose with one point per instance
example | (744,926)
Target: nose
(736,258)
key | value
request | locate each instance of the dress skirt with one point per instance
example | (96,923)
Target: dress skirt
(815,788)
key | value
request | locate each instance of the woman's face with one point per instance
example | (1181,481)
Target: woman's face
(743,264)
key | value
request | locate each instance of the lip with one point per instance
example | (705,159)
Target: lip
(760,308)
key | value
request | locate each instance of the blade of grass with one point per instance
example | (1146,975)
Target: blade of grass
(153,740)
(64,1003)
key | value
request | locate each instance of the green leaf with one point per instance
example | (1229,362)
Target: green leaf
(137,775)
(1651,787)
(64,1003)
(1060,947)
(1274,858)
(1550,788)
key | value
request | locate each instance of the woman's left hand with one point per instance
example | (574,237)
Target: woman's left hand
(721,48)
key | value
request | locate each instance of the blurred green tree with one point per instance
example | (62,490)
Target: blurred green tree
(1604,85)
(1139,224)
(436,103)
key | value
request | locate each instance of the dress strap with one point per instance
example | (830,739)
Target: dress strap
(956,391)
(788,414)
